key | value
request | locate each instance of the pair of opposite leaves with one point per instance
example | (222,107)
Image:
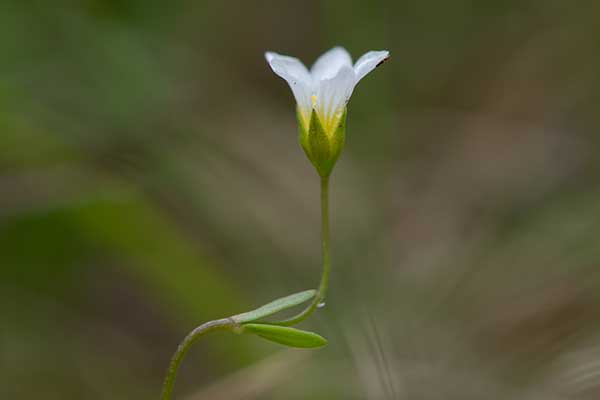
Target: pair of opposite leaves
(248,322)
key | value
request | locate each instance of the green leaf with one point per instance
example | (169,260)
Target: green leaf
(285,335)
(275,306)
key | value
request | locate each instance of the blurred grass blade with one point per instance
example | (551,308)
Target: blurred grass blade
(275,306)
(287,336)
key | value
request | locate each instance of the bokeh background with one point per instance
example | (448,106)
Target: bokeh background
(150,180)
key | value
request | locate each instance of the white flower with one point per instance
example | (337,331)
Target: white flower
(329,84)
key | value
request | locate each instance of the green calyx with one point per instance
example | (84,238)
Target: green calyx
(322,148)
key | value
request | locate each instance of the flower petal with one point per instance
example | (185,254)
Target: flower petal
(329,63)
(333,95)
(368,62)
(297,76)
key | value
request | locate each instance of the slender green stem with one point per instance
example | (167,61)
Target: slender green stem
(190,339)
(325,239)
(229,323)
(326,253)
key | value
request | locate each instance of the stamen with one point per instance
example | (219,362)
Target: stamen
(313,99)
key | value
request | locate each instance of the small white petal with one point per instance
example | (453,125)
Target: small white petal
(368,62)
(333,95)
(297,76)
(329,63)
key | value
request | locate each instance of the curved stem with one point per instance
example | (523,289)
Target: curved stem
(326,253)
(229,323)
(184,346)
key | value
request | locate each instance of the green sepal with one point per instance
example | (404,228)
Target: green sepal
(321,147)
(285,335)
(303,134)
(275,306)
(338,139)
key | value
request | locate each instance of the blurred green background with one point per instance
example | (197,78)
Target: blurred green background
(150,180)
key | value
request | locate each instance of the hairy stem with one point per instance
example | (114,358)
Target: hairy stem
(326,253)
(184,346)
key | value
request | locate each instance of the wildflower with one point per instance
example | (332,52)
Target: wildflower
(321,96)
